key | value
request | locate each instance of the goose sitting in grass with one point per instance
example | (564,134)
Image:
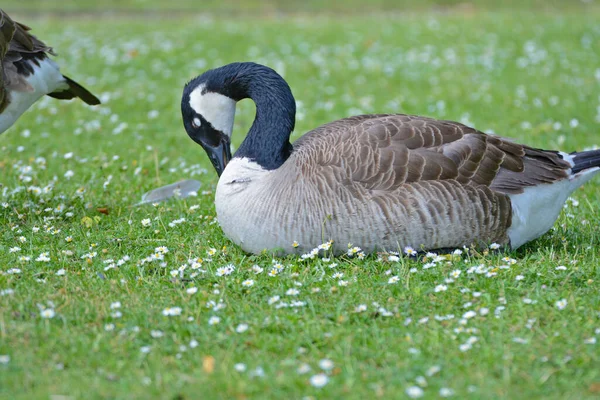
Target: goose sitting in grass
(27,74)
(380,182)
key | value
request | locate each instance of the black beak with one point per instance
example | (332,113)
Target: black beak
(219,155)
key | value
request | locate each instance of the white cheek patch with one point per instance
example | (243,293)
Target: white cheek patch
(217,109)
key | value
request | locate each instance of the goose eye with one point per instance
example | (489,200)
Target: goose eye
(196,123)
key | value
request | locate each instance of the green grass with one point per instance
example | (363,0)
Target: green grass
(524,76)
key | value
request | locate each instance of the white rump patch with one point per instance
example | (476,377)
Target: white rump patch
(216,108)
(567,157)
(537,208)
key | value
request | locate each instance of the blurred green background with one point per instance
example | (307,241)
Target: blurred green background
(259,6)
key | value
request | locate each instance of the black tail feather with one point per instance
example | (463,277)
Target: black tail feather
(585,159)
(75,90)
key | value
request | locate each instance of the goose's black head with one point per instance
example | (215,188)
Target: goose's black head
(208,117)
(208,109)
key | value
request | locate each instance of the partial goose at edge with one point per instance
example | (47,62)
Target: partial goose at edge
(27,73)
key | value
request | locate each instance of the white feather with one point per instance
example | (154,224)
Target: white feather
(567,157)
(46,78)
(537,208)
(216,108)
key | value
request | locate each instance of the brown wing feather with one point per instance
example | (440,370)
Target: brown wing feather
(383,152)
(23,41)
(7,29)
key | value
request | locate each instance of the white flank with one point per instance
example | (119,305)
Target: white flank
(46,78)
(216,108)
(537,208)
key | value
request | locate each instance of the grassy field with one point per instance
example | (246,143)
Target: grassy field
(99,299)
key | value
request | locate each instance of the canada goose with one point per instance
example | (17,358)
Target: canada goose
(380,182)
(26,73)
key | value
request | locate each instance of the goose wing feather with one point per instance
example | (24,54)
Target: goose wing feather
(7,30)
(23,41)
(383,152)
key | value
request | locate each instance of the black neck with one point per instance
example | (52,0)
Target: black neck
(268,141)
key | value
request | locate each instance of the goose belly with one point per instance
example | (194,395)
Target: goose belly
(19,103)
(421,215)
